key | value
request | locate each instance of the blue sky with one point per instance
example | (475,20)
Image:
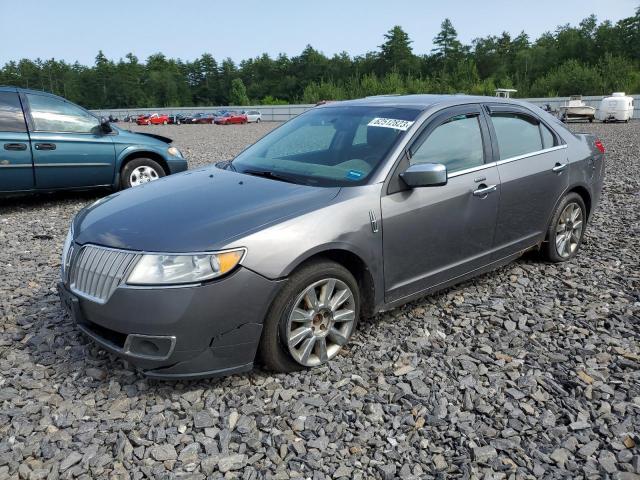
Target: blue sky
(76,30)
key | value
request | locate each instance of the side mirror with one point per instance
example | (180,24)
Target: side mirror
(105,126)
(425,175)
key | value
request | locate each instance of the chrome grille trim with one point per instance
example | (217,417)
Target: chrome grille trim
(96,272)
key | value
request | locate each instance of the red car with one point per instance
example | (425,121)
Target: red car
(154,119)
(230,117)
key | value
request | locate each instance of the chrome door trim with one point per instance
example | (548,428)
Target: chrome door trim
(532,154)
(484,166)
(24,165)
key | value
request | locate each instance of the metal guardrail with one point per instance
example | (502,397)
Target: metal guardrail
(282,113)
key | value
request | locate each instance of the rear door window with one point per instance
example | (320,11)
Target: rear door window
(517,134)
(11,116)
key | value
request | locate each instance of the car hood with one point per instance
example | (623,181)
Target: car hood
(194,211)
(141,137)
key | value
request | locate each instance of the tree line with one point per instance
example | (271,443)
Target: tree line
(592,58)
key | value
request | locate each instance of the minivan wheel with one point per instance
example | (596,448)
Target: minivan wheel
(311,319)
(566,231)
(139,171)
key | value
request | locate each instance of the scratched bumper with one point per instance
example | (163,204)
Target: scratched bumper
(188,332)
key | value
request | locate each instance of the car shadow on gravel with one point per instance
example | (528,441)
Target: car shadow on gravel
(25,201)
(52,339)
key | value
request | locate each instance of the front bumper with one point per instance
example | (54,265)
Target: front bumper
(177,164)
(180,333)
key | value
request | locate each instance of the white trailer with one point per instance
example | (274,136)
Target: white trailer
(616,108)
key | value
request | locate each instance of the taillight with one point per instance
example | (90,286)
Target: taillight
(599,146)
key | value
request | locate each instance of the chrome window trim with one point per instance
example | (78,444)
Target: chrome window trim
(471,169)
(506,160)
(531,154)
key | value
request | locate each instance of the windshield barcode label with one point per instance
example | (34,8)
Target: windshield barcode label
(390,123)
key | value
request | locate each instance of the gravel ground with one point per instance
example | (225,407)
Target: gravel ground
(528,372)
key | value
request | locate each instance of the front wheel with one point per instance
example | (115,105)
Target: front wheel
(311,319)
(139,171)
(566,230)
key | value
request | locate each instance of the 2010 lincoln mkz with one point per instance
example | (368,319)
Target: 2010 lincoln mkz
(349,209)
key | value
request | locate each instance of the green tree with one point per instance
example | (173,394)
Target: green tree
(396,53)
(238,95)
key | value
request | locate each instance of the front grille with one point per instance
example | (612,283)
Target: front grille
(97,271)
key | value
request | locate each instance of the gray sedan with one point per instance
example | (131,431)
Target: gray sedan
(347,210)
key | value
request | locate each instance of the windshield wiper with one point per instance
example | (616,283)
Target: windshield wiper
(270,174)
(226,165)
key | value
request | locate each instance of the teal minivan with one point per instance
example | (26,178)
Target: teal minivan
(48,143)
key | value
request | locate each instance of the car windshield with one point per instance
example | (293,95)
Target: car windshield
(333,146)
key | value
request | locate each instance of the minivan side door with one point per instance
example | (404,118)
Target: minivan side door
(69,147)
(16,166)
(432,235)
(533,166)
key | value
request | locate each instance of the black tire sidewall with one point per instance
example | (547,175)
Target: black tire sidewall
(273,350)
(135,163)
(550,251)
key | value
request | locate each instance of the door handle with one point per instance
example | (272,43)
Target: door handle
(559,167)
(45,146)
(15,146)
(484,190)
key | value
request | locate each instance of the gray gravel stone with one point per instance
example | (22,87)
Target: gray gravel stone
(535,363)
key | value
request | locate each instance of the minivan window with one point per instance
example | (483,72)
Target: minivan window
(457,143)
(516,134)
(51,114)
(11,116)
(329,146)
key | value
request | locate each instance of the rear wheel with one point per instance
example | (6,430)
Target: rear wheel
(139,171)
(311,319)
(566,230)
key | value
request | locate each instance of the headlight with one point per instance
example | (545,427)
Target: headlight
(173,151)
(66,258)
(160,269)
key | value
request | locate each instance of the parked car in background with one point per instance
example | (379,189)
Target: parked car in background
(413,194)
(176,119)
(253,116)
(228,118)
(113,119)
(50,143)
(616,108)
(203,118)
(154,119)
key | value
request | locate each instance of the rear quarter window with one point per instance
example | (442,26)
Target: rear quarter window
(11,115)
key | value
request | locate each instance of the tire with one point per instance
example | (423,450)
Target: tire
(257,120)
(274,351)
(561,227)
(140,163)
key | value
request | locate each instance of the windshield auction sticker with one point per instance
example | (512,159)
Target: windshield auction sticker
(390,123)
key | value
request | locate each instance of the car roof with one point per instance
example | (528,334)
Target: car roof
(419,101)
(9,88)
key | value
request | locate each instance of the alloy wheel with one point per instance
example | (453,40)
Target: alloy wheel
(569,230)
(142,174)
(321,322)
